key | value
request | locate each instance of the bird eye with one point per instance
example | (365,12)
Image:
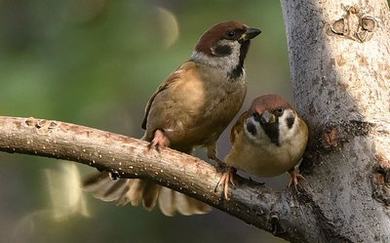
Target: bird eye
(279,111)
(256,116)
(231,33)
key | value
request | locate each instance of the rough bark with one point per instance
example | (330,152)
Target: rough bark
(340,65)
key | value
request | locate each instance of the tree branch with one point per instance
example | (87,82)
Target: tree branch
(278,212)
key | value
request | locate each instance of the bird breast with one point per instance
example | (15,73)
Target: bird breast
(203,104)
(266,159)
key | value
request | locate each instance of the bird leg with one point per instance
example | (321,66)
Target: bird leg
(295,176)
(225,180)
(159,141)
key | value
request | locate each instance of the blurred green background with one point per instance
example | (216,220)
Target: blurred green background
(96,62)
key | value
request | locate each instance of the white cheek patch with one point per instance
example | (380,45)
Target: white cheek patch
(225,63)
(285,132)
(260,137)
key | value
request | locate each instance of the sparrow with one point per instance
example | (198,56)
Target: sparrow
(191,108)
(267,140)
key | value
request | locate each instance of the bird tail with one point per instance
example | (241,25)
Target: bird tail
(145,192)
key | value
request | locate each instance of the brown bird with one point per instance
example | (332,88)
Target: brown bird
(191,108)
(267,140)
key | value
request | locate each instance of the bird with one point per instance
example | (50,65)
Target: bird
(267,140)
(191,108)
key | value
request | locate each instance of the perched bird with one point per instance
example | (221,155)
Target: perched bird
(267,140)
(191,108)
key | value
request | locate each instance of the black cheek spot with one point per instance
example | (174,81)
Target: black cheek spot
(290,122)
(222,50)
(251,128)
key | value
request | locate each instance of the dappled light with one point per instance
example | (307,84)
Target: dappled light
(168,25)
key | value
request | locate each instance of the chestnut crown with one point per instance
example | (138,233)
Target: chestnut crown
(229,31)
(271,103)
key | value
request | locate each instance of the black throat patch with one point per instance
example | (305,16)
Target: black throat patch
(236,73)
(272,131)
(239,69)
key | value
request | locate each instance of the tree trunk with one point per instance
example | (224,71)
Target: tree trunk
(340,66)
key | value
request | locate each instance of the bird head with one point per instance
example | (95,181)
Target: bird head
(225,46)
(272,120)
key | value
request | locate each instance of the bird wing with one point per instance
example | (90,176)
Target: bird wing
(238,126)
(163,86)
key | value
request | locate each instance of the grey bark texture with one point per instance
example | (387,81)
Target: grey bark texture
(339,55)
(340,65)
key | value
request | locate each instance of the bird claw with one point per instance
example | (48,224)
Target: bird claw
(295,177)
(225,180)
(159,141)
(114,175)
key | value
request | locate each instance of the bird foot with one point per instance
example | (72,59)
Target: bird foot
(295,176)
(159,141)
(225,180)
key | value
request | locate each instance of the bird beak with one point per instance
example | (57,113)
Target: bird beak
(250,33)
(267,117)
